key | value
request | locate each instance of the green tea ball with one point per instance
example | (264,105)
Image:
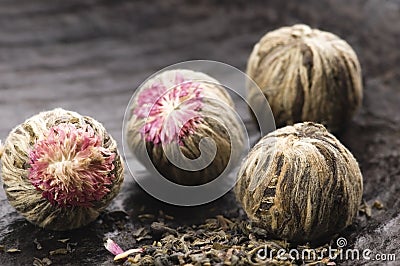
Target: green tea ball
(307,75)
(300,183)
(178,109)
(60,169)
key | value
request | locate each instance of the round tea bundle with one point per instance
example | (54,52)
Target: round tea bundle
(300,183)
(61,169)
(306,75)
(184,122)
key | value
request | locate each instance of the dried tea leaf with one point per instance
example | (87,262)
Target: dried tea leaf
(46,261)
(37,262)
(219,246)
(135,259)
(118,215)
(38,245)
(42,262)
(162,228)
(146,216)
(378,205)
(139,232)
(143,237)
(224,222)
(70,247)
(13,250)
(366,209)
(199,242)
(60,251)
(169,217)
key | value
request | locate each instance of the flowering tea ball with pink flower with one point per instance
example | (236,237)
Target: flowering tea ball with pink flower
(61,169)
(182,123)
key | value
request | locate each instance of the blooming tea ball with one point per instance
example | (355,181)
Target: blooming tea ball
(61,169)
(170,116)
(300,183)
(306,75)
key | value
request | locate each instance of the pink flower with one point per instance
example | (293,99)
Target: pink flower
(170,114)
(70,166)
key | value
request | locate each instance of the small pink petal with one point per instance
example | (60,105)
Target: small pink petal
(113,247)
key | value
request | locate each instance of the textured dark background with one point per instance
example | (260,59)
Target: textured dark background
(88,56)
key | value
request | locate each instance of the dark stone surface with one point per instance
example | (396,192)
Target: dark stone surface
(89,56)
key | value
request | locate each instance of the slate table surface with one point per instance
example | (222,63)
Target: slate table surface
(89,56)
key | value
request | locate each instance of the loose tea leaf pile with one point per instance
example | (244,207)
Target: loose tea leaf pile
(221,241)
